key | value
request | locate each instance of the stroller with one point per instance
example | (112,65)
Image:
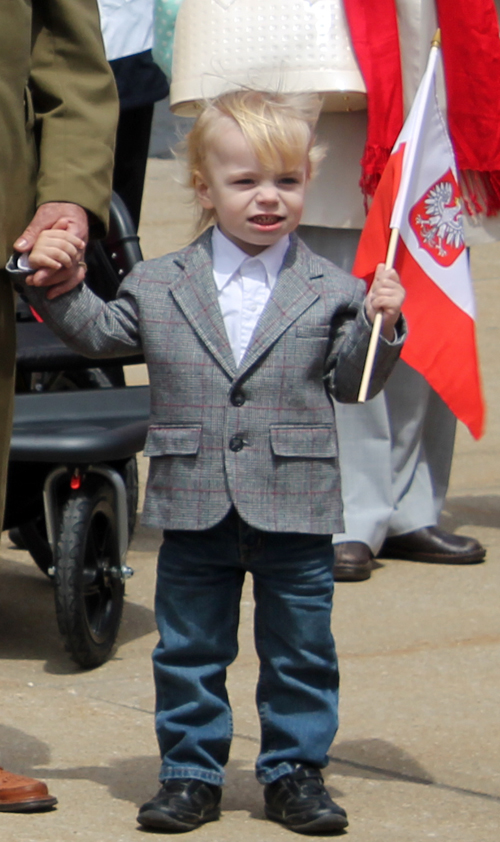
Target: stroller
(72,485)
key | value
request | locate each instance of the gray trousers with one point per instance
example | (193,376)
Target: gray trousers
(395,451)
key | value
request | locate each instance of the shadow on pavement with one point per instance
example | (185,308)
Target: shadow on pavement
(376,759)
(480,510)
(381,760)
(135,779)
(21,752)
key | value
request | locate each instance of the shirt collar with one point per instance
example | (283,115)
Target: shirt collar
(228,257)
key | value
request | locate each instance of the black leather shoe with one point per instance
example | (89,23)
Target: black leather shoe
(180,805)
(353,561)
(433,545)
(300,802)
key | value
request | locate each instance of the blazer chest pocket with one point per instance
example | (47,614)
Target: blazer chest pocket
(173,441)
(309,441)
(312,331)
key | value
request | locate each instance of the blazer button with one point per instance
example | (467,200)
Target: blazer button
(238,398)
(236,443)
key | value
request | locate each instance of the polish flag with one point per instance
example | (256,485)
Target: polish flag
(419,195)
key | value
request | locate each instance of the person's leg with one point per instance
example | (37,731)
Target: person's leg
(423,436)
(408,397)
(198,591)
(197,610)
(438,436)
(297,693)
(7,368)
(18,794)
(365,443)
(131,156)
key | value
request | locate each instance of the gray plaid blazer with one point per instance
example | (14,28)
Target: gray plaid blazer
(260,435)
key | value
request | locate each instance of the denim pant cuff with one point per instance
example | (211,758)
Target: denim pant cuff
(168,773)
(278,772)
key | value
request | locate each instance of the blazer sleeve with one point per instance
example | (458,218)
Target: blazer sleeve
(351,332)
(86,323)
(76,107)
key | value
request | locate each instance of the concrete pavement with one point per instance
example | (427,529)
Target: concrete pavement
(417,754)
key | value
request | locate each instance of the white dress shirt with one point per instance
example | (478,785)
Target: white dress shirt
(244,284)
(127,26)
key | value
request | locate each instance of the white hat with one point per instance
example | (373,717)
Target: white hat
(289,46)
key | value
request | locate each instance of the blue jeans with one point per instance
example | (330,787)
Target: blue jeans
(200,577)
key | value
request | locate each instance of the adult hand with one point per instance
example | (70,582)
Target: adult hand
(52,215)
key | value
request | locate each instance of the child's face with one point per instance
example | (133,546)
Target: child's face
(254,207)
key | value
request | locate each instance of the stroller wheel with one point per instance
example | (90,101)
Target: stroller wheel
(89,588)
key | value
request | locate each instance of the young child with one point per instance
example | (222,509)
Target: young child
(246,334)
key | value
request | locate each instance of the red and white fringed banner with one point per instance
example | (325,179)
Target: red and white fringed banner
(471,56)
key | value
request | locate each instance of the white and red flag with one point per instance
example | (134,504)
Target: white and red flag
(418,194)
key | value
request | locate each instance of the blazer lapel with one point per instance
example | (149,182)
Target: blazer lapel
(291,297)
(195,293)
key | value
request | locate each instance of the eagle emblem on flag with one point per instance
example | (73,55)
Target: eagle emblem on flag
(436,220)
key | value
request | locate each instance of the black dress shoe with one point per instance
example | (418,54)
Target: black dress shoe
(300,802)
(181,804)
(433,545)
(353,561)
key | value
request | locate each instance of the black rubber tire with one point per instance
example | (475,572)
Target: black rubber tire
(89,591)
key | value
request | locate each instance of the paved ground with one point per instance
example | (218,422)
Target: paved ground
(417,754)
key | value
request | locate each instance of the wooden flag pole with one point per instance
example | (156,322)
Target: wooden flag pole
(377,324)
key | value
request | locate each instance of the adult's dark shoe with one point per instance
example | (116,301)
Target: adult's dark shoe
(19,794)
(432,544)
(353,561)
(300,802)
(180,805)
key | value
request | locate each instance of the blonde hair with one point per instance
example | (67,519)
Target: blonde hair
(279,128)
